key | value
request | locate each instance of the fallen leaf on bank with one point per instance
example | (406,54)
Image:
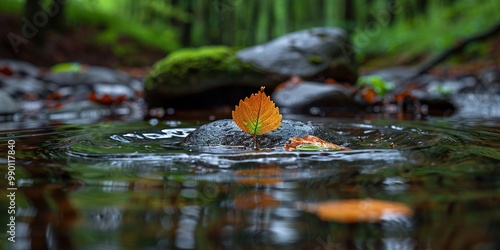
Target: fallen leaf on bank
(293,81)
(358,210)
(330,81)
(310,143)
(106,99)
(369,95)
(257,115)
(6,71)
(406,93)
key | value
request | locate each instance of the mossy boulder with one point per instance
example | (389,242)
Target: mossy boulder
(193,64)
(197,77)
(221,76)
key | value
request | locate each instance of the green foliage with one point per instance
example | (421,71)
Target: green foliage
(201,61)
(431,33)
(167,11)
(116,21)
(378,84)
(118,24)
(162,24)
(66,67)
(11,6)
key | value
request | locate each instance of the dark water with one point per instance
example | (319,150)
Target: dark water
(130,186)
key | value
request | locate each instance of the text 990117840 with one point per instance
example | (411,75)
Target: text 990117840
(11,189)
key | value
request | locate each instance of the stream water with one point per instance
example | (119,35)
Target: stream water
(130,185)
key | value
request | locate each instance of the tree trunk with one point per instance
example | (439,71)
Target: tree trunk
(422,7)
(349,15)
(56,21)
(33,23)
(187,26)
(368,16)
(392,16)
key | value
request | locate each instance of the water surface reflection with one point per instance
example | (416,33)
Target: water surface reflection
(131,186)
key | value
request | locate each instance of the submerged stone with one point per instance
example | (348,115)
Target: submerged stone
(226,133)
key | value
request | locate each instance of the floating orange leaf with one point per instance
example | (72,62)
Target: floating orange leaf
(257,115)
(358,210)
(310,143)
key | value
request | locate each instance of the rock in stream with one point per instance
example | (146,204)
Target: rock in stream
(220,76)
(323,51)
(225,133)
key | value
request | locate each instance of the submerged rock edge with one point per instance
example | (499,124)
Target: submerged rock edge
(225,133)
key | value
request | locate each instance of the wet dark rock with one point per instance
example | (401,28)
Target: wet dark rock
(226,133)
(438,106)
(201,77)
(491,81)
(80,112)
(490,76)
(477,105)
(306,95)
(445,88)
(87,75)
(307,53)
(8,105)
(425,94)
(431,97)
(467,83)
(217,75)
(396,75)
(18,86)
(76,94)
(17,68)
(111,93)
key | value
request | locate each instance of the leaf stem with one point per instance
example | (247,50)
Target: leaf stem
(255,143)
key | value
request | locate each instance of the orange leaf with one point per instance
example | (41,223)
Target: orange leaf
(310,143)
(257,115)
(369,95)
(356,210)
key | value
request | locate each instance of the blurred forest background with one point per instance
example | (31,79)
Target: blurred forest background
(121,33)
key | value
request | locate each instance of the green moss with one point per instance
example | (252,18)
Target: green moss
(196,62)
(313,59)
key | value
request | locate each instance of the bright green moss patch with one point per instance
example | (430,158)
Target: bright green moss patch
(313,59)
(178,67)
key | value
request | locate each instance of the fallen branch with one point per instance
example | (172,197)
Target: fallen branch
(457,47)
